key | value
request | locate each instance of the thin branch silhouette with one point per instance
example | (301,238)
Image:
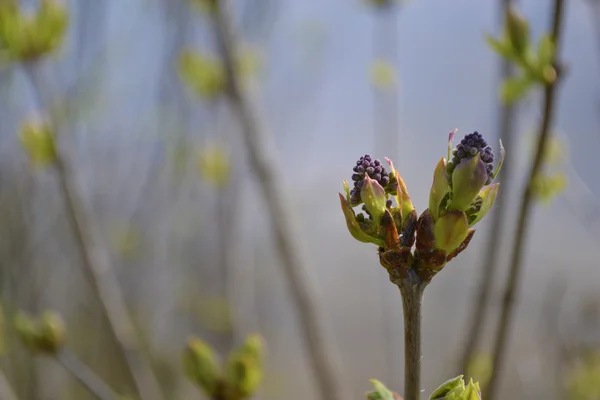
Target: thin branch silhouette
(294,266)
(85,375)
(97,269)
(516,265)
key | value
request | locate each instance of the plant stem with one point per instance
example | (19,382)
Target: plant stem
(412,296)
(513,282)
(294,266)
(97,270)
(85,375)
(490,258)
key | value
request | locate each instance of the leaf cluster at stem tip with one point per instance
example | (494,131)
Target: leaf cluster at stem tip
(535,62)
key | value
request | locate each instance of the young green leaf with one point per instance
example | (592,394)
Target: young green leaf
(515,88)
(38,141)
(381,392)
(501,47)
(546,50)
(448,387)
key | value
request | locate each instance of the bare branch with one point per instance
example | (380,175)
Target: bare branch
(294,266)
(85,375)
(97,269)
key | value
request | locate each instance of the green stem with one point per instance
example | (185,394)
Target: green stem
(412,289)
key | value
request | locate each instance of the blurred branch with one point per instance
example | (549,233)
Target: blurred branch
(6,390)
(524,217)
(324,369)
(97,269)
(227,215)
(484,289)
(85,375)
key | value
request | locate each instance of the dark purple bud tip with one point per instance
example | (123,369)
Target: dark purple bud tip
(364,208)
(355,197)
(388,203)
(471,145)
(366,165)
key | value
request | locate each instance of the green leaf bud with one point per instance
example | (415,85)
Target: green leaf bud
(468,178)
(374,197)
(439,189)
(200,366)
(450,231)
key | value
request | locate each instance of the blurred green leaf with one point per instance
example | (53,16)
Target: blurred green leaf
(29,37)
(501,47)
(382,74)
(582,380)
(204,75)
(38,141)
(555,152)
(214,165)
(244,370)
(546,187)
(515,88)
(546,50)
(201,366)
(480,367)
(517,28)
(205,6)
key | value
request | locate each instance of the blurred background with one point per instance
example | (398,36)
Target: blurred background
(176,207)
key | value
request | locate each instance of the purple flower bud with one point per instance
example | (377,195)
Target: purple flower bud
(367,166)
(471,145)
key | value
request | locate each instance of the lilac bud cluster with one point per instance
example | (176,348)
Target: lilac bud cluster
(373,168)
(468,147)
